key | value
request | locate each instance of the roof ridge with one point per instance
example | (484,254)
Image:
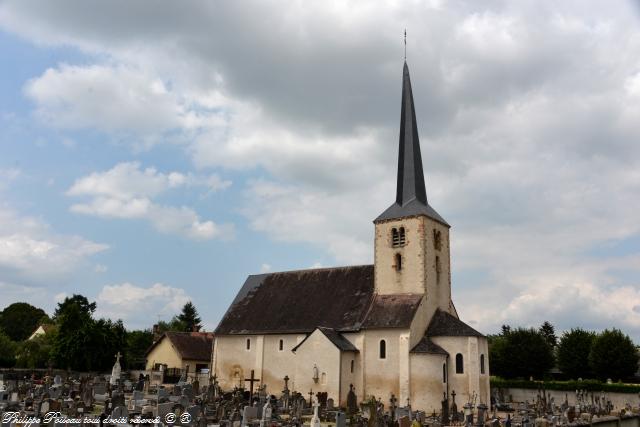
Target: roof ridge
(301,270)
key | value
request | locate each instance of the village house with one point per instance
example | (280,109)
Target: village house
(385,329)
(41,330)
(180,352)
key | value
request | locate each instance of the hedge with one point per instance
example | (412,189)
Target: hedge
(588,385)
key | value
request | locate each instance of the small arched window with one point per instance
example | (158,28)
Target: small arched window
(248,343)
(482,363)
(459,364)
(353,363)
(437,269)
(444,372)
(398,262)
(383,349)
(281,345)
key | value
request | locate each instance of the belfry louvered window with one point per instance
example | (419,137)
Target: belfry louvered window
(398,237)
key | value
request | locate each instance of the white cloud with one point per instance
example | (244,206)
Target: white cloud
(140,307)
(127,192)
(528,114)
(100,268)
(31,253)
(117,99)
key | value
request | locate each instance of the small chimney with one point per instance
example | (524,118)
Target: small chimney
(156,332)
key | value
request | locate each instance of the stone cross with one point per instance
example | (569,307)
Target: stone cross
(286,382)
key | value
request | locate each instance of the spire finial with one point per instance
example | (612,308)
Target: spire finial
(405,45)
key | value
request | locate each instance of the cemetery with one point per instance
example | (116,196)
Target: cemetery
(57,398)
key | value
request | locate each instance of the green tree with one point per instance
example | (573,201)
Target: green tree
(549,333)
(521,353)
(84,343)
(189,317)
(573,353)
(613,355)
(7,351)
(76,303)
(20,319)
(174,325)
(138,342)
(36,353)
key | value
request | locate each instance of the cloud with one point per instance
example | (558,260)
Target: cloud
(117,99)
(528,115)
(127,192)
(140,307)
(31,254)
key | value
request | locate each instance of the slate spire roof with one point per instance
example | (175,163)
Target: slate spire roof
(411,193)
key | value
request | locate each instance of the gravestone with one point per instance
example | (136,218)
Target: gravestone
(330,404)
(266,415)
(44,407)
(249,413)
(315,420)
(341,419)
(404,421)
(116,371)
(164,409)
(120,412)
(352,401)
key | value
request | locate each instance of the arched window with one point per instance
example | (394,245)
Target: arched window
(398,262)
(323,378)
(353,362)
(459,364)
(383,349)
(281,345)
(437,269)
(444,372)
(401,237)
(482,363)
(248,343)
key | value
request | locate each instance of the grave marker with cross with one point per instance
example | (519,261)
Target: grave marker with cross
(251,380)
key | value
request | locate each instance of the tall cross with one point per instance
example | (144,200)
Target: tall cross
(251,380)
(118,356)
(310,396)
(405,44)
(286,382)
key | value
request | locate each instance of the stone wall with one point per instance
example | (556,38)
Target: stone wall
(619,400)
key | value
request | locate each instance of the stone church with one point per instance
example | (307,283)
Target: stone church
(387,328)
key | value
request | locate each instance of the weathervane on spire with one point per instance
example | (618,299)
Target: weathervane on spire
(405,44)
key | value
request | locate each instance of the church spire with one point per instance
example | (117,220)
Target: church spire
(410,176)
(411,193)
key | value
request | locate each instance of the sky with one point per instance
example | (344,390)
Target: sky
(156,152)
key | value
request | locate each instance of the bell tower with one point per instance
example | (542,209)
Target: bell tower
(411,239)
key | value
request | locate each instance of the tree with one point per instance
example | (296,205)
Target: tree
(20,319)
(573,353)
(138,342)
(549,333)
(7,351)
(76,303)
(521,353)
(189,317)
(173,325)
(36,353)
(613,355)
(83,343)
